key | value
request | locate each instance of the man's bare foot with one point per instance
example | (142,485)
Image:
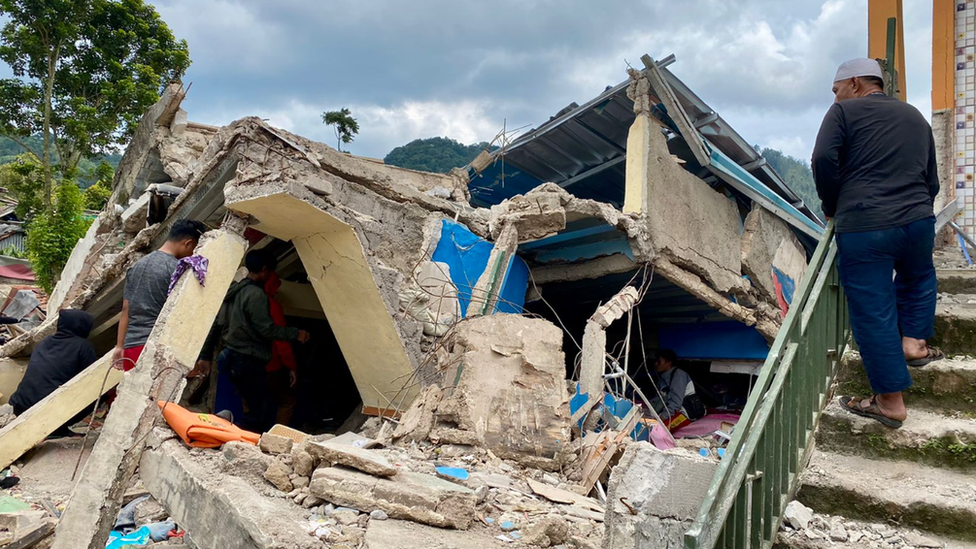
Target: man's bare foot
(892,405)
(914,348)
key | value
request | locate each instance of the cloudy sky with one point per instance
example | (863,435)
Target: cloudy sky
(461,68)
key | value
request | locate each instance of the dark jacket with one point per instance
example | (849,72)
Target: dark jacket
(245,323)
(874,164)
(56,360)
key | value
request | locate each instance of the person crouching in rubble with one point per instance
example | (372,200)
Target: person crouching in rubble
(680,405)
(56,360)
(146,290)
(248,331)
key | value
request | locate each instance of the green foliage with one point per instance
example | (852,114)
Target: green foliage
(10,150)
(97,194)
(797,175)
(52,235)
(10,251)
(24,180)
(84,73)
(435,154)
(345,125)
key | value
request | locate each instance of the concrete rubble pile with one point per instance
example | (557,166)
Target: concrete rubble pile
(473,443)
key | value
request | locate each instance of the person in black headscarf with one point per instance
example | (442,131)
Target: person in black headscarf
(56,360)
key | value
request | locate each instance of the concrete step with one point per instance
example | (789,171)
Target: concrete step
(933,500)
(955,325)
(925,438)
(948,385)
(957,281)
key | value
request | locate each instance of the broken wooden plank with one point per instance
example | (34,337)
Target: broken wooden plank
(33,426)
(606,448)
(664,92)
(558,495)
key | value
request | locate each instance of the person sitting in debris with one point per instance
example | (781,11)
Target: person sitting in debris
(146,290)
(57,359)
(248,331)
(678,404)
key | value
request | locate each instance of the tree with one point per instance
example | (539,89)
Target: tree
(84,73)
(98,193)
(434,154)
(53,234)
(23,178)
(345,125)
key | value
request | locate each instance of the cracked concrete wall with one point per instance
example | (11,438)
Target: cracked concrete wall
(696,227)
(943,130)
(767,242)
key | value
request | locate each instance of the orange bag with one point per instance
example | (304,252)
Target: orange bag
(203,430)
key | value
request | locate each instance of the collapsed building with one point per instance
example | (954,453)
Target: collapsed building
(500,311)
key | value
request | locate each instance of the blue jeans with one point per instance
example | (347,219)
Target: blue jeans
(883,310)
(247,374)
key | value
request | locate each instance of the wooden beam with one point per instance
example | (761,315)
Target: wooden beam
(42,419)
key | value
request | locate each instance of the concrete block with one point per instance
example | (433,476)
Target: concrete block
(665,487)
(536,215)
(75,267)
(511,391)
(412,496)
(278,475)
(367,461)
(275,444)
(303,463)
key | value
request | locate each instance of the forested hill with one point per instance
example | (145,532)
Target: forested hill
(9,150)
(797,174)
(434,154)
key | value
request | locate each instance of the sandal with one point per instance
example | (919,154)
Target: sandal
(873,411)
(934,353)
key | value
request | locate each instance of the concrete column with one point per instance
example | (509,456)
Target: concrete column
(637,189)
(593,362)
(169,354)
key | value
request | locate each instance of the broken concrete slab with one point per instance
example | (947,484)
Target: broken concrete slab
(689,222)
(411,496)
(367,461)
(169,354)
(510,392)
(410,535)
(665,488)
(218,511)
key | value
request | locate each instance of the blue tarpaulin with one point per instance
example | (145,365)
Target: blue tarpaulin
(466,255)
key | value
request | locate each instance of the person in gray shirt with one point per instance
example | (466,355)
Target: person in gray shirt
(146,289)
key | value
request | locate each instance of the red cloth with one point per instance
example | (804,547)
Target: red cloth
(132,356)
(281,352)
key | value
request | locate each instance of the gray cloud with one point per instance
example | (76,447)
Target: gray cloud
(461,68)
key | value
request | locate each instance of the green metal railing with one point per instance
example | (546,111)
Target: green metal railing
(757,477)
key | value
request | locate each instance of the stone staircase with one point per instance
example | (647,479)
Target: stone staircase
(911,487)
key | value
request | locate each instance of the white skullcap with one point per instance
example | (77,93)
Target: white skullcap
(858,67)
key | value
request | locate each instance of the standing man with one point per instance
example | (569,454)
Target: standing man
(874,166)
(248,332)
(146,290)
